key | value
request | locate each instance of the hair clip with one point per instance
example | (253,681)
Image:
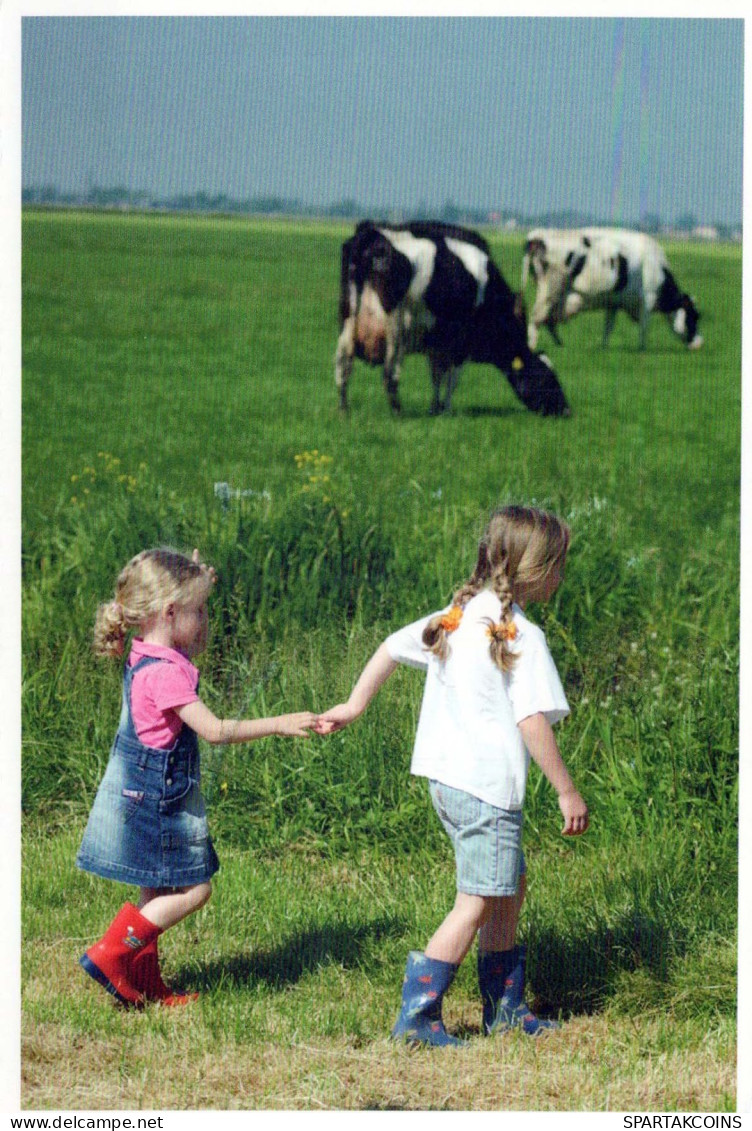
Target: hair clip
(504,630)
(451,620)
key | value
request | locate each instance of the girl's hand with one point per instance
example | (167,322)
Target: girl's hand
(374,674)
(335,719)
(575,813)
(196,557)
(297,725)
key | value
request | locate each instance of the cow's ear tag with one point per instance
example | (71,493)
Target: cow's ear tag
(518,363)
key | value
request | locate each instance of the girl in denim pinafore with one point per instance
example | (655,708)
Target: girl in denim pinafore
(148,822)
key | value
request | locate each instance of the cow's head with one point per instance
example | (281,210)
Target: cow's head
(499,338)
(531,375)
(685,323)
(533,379)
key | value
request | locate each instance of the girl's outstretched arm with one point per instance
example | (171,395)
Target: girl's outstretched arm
(538,736)
(198,717)
(374,674)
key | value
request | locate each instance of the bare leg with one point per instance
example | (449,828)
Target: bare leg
(164,907)
(499,929)
(453,939)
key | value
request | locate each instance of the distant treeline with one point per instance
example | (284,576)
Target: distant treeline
(119,197)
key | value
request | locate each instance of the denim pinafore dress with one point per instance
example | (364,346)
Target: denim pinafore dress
(148,824)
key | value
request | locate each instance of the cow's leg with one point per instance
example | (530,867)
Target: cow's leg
(550,323)
(392,363)
(451,382)
(551,327)
(391,387)
(443,372)
(643,319)
(343,360)
(608,323)
(438,368)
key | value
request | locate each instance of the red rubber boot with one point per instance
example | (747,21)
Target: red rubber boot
(147,977)
(110,960)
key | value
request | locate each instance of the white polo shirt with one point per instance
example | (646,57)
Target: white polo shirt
(467,734)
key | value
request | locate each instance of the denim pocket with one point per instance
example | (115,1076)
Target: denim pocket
(130,802)
(176,786)
(455,808)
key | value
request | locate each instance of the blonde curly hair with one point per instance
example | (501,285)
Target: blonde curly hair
(150,581)
(517,554)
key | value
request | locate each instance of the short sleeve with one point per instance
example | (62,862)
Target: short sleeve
(533,683)
(168,686)
(406,644)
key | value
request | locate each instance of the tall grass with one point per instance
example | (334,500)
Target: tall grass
(307,590)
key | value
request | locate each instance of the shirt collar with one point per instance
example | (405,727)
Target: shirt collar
(140,648)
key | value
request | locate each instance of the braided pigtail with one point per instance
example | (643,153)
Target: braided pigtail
(110,629)
(441,626)
(526,552)
(438,629)
(521,556)
(505,630)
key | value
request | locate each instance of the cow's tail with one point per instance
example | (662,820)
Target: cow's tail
(534,249)
(525,275)
(344,284)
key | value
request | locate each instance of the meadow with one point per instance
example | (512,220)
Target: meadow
(178,388)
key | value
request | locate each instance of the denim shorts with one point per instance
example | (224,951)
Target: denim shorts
(486,840)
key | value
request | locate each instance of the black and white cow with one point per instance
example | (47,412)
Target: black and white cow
(603,268)
(432,288)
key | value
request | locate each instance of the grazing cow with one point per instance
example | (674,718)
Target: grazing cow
(603,268)
(433,288)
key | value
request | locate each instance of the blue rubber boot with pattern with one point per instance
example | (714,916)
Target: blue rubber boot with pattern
(501,977)
(426,982)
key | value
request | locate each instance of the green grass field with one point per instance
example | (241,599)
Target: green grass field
(164,355)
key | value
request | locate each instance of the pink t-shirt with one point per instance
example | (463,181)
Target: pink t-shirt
(157,689)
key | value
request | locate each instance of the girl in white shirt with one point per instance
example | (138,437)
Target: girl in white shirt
(492,694)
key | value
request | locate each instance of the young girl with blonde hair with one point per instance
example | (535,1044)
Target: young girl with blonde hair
(148,824)
(491,696)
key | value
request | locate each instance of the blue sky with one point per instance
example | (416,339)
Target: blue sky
(615,117)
